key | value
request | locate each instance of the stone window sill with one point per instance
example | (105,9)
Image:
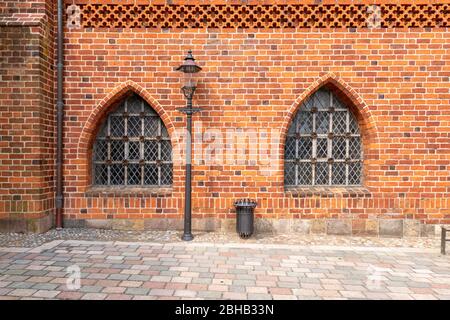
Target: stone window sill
(328,192)
(96,191)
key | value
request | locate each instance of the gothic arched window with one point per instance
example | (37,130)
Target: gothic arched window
(132,147)
(323,144)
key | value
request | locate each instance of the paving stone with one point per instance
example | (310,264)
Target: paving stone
(284,297)
(145,297)
(352,294)
(280,291)
(244,282)
(131,284)
(98,276)
(202,281)
(234,288)
(119,297)
(185,293)
(327,293)
(91,289)
(107,283)
(21,285)
(181,279)
(259,296)
(22,292)
(161,292)
(234,296)
(69,295)
(45,286)
(118,277)
(303,292)
(217,287)
(262,290)
(210,294)
(137,291)
(50,294)
(400,296)
(196,287)
(114,290)
(4,291)
(139,277)
(94,296)
(158,285)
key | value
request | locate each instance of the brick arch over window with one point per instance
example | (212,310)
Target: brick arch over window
(109,102)
(360,110)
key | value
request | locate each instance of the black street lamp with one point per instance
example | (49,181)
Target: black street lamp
(189,69)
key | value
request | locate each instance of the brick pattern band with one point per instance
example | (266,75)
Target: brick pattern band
(263,16)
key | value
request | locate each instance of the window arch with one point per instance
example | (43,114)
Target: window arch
(132,147)
(323,144)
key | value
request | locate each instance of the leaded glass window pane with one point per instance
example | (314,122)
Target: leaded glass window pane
(289,174)
(323,144)
(304,173)
(134,150)
(305,122)
(101,150)
(338,173)
(166,174)
(354,173)
(134,126)
(134,174)
(151,175)
(117,174)
(321,174)
(290,148)
(322,122)
(340,122)
(101,174)
(117,150)
(304,148)
(117,126)
(151,150)
(322,148)
(339,148)
(132,147)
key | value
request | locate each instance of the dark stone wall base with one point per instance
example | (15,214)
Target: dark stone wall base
(27,225)
(348,227)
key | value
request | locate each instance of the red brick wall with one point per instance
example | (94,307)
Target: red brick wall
(397,81)
(26,114)
(17,6)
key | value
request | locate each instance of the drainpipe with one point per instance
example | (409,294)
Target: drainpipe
(59,200)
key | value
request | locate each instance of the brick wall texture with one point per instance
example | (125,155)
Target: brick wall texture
(395,80)
(26,112)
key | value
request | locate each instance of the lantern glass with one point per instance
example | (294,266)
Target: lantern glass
(190,79)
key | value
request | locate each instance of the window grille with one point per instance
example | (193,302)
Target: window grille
(323,144)
(132,147)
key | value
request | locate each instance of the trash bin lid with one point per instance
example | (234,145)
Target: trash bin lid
(245,203)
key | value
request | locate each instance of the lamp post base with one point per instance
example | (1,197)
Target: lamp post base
(187,237)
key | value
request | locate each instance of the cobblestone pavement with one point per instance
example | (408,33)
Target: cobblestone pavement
(125,270)
(33,240)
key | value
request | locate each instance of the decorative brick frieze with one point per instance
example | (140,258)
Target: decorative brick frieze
(229,16)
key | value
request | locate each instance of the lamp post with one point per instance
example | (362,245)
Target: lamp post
(189,69)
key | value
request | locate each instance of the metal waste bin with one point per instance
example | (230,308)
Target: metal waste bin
(244,217)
